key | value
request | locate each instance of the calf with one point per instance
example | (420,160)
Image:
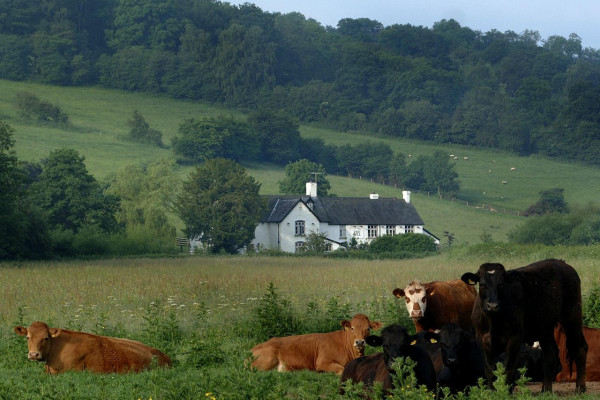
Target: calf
(433,304)
(64,350)
(396,342)
(461,356)
(324,352)
(524,305)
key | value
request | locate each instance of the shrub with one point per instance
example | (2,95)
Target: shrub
(274,317)
(413,243)
(591,308)
(31,107)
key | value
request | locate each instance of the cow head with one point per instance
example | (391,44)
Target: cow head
(415,295)
(454,341)
(395,340)
(39,336)
(359,327)
(491,278)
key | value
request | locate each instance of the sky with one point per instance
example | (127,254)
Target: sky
(548,17)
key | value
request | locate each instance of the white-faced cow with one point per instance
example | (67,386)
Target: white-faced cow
(524,305)
(432,305)
(324,352)
(396,342)
(64,350)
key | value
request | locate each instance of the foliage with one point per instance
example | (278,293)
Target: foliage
(220,205)
(551,201)
(23,231)
(580,227)
(591,308)
(70,196)
(516,92)
(274,317)
(412,243)
(141,131)
(31,107)
(146,194)
(316,243)
(298,173)
(207,138)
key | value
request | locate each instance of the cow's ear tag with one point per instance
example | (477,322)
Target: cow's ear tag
(471,282)
(413,342)
(432,340)
(55,332)
(432,292)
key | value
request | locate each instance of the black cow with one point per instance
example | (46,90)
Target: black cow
(396,342)
(462,357)
(430,343)
(524,305)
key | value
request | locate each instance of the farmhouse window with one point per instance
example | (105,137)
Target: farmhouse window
(390,230)
(299,246)
(299,228)
(372,231)
(342,231)
(408,228)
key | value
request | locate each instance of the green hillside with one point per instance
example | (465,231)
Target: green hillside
(99,118)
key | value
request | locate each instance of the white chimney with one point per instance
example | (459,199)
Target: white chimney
(373,196)
(311,189)
(406,195)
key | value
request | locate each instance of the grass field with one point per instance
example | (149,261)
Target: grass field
(99,118)
(201,311)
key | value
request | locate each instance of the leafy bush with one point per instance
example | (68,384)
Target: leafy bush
(591,308)
(409,243)
(31,107)
(141,131)
(274,317)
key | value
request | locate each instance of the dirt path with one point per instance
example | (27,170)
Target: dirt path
(565,389)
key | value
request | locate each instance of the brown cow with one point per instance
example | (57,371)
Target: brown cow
(445,302)
(64,350)
(592,364)
(324,352)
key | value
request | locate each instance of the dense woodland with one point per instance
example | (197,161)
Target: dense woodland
(447,83)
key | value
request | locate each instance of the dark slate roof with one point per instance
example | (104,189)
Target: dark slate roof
(347,210)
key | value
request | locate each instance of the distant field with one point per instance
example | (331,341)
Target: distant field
(99,117)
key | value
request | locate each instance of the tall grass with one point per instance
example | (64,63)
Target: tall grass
(203,312)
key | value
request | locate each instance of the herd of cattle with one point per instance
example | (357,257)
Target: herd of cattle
(527,317)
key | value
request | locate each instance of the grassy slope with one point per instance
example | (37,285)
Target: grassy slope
(99,117)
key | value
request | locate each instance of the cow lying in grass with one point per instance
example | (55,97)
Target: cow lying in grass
(324,352)
(63,350)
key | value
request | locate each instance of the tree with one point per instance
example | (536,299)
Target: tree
(300,172)
(146,193)
(23,229)
(551,201)
(220,205)
(71,197)
(278,134)
(439,174)
(141,131)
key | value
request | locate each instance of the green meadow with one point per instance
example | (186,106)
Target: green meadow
(202,311)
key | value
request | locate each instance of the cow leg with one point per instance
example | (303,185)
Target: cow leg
(485,341)
(510,362)
(577,348)
(551,360)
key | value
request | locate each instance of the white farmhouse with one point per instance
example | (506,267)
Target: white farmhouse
(290,218)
